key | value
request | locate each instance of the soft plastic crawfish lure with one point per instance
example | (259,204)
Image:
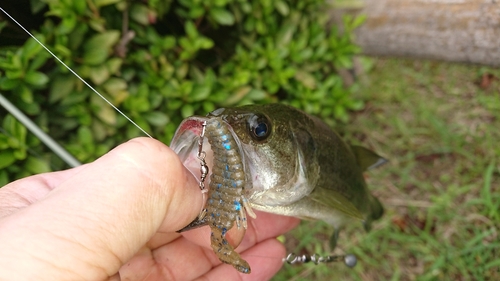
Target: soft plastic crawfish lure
(226,203)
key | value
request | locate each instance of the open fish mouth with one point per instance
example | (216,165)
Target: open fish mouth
(210,141)
(185,144)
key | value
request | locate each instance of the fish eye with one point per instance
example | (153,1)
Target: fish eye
(259,127)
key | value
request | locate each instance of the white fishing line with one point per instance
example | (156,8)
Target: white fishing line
(81,79)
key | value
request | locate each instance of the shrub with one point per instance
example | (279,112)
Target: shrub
(159,62)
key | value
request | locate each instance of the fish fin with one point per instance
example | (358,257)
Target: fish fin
(194,224)
(377,210)
(366,158)
(336,201)
(334,238)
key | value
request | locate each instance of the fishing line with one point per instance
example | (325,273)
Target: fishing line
(81,79)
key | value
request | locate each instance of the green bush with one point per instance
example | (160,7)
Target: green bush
(159,62)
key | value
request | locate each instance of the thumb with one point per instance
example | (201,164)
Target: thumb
(96,220)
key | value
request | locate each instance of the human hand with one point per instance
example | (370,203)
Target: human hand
(115,219)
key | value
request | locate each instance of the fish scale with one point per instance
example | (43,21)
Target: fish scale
(224,206)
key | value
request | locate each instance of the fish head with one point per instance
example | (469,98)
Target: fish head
(273,146)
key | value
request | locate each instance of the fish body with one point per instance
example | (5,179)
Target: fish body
(294,164)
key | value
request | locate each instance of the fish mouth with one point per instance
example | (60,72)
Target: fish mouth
(186,144)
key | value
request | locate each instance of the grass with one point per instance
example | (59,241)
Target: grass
(440,128)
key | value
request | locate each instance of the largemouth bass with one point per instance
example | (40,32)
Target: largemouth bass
(277,159)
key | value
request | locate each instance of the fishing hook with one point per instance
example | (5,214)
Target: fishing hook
(203,169)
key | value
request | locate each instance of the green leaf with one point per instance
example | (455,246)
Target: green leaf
(62,50)
(246,7)
(168,42)
(182,71)
(105,112)
(343,62)
(200,92)
(191,30)
(222,16)
(114,85)
(174,104)
(26,94)
(306,79)
(285,34)
(31,47)
(6,158)
(8,84)
(36,166)
(38,61)
(157,118)
(36,78)
(205,43)
(4,142)
(97,48)
(196,12)
(61,87)
(14,73)
(85,137)
(114,65)
(16,130)
(80,6)
(256,94)
(237,96)
(117,88)
(98,74)
(99,130)
(20,133)
(140,14)
(208,106)
(95,56)
(140,104)
(356,22)
(187,110)
(282,7)
(20,153)
(97,24)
